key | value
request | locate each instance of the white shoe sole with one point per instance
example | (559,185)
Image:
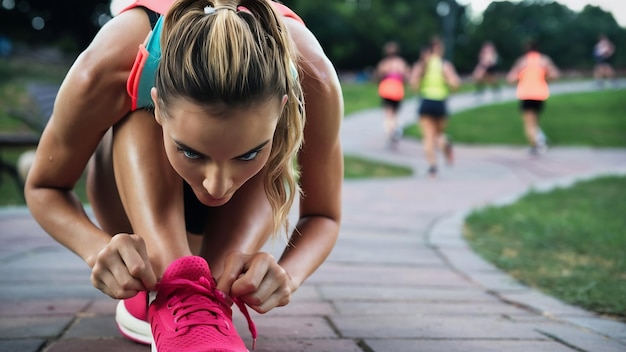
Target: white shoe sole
(135,329)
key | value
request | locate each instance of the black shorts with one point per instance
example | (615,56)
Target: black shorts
(601,60)
(393,104)
(433,108)
(531,105)
(195,212)
(491,69)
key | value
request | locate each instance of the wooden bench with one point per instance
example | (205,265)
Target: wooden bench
(35,116)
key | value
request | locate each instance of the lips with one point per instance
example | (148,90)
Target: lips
(210,201)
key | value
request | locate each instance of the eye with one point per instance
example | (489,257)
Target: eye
(249,156)
(188,153)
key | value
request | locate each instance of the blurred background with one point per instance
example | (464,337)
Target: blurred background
(352,32)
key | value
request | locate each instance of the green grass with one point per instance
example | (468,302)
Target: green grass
(568,243)
(357,168)
(595,119)
(359,96)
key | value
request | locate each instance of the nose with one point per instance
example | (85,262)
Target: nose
(217,181)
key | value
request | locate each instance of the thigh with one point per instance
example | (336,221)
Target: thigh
(428,125)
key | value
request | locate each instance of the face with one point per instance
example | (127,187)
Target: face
(217,154)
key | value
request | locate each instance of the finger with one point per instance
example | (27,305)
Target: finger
(280,297)
(253,278)
(149,278)
(105,281)
(234,266)
(134,257)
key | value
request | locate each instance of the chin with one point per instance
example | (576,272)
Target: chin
(213,202)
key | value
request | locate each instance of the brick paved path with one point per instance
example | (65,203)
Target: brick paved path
(401,277)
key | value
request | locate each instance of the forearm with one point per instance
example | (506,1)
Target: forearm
(68,223)
(310,244)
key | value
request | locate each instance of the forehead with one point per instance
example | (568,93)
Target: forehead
(221,130)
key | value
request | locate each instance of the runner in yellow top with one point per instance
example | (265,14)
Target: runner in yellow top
(531,73)
(433,77)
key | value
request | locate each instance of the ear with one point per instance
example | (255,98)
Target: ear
(155,98)
(284,101)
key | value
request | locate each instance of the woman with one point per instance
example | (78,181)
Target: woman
(531,72)
(201,171)
(392,72)
(486,69)
(603,51)
(433,77)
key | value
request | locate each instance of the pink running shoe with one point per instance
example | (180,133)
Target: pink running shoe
(131,317)
(190,314)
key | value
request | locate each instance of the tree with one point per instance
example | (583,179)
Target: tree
(69,23)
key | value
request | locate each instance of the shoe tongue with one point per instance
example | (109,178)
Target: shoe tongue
(190,268)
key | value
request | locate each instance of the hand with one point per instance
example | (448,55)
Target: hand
(257,280)
(123,268)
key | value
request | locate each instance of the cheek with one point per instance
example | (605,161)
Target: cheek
(243,173)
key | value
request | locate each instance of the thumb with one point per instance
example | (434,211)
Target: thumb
(233,267)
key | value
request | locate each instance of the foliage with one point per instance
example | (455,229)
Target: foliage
(566,36)
(352,32)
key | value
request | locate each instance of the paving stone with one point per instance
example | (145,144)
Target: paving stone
(42,308)
(21,345)
(582,339)
(270,328)
(33,327)
(306,345)
(382,249)
(495,345)
(102,306)
(386,275)
(302,308)
(419,310)
(543,303)
(93,327)
(453,327)
(380,293)
(97,345)
(609,327)
(464,259)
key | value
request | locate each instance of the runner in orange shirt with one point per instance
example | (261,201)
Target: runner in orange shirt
(392,72)
(531,72)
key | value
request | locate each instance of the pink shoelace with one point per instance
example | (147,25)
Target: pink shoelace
(192,297)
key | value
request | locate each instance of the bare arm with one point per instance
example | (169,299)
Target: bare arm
(513,74)
(91,99)
(415,77)
(552,72)
(451,76)
(321,162)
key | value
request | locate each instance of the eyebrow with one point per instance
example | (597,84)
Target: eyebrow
(183,146)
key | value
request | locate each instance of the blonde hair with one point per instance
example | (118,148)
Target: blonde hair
(234,54)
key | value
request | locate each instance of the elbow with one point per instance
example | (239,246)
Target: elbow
(94,73)
(32,196)
(88,73)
